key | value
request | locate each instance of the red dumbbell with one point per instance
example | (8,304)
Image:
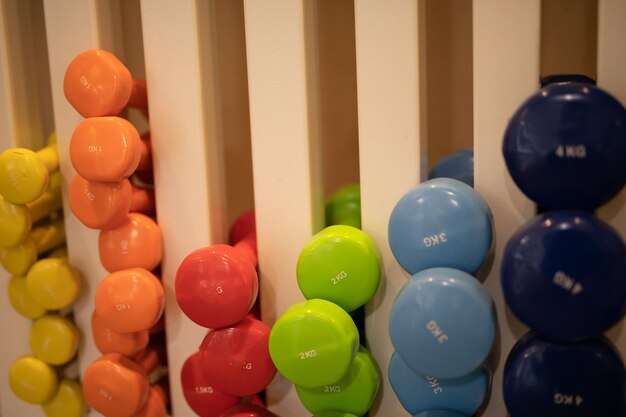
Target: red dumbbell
(247,410)
(110,341)
(108,149)
(115,386)
(217,286)
(104,205)
(130,300)
(96,84)
(199,394)
(237,359)
(136,242)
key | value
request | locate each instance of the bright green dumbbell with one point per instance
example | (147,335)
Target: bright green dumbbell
(333,414)
(339,264)
(344,207)
(354,393)
(313,343)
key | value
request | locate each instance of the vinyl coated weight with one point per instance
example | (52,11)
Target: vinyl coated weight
(458,165)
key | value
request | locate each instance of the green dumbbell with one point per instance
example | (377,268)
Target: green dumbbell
(333,414)
(354,393)
(344,207)
(339,264)
(313,343)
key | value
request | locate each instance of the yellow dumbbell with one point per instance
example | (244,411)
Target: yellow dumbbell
(16,219)
(53,339)
(52,283)
(68,401)
(21,300)
(17,260)
(32,380)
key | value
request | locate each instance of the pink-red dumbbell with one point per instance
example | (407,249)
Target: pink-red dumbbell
(217,286)
(104,205)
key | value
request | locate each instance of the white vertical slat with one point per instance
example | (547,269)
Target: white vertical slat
(287,183)
(390,90)
(19,128)
(506,72)
(611,70)
(187,155)
(73,26)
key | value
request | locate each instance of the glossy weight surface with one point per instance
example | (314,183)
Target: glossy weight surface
(443,323)
(32,380)
(216,286)
(100,205)
(110,341)
(563,275)
(333,414)
(563,142)
(247,410)
(546,379)
(130,300)
(105,149)
(237,358)
(53,283)
(21,301)
(200,395)
(15,223)
(354,393)
(313,343)
(339,264)
(154,407)
(439,413)
(53,339)
(115,386)
(440,223)
(23,175)
(68,401)
(458,165)
(419,393)
(344,207)
(136,242)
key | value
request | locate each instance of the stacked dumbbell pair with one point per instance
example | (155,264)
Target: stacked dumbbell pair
(564,272)
(44,285)
(442,324)
(217,287)
(106,151)
(315,343)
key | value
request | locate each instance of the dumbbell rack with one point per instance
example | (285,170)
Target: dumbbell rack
(188,109)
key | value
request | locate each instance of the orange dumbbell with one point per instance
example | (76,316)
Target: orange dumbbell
(155,405)
(103,205)
(130,300)
(136,242)
(115,386)
(110,341)
(96,83)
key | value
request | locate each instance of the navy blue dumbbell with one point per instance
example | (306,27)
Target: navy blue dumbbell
(458,165)
(563,274)
(544,378)
(565,146)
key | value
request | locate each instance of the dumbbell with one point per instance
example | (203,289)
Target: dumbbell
(333,414)
(130,300)
(18,259)
(16,219)
(53,339)
(68,401)
(421,393)
(443,323)
(545,378)
(563,142)
(52,283)
(96,84)
(154,407)
(344,207)
(115,386)
(313,343)
(106,149)
(110,341)
(440,223)
(203,399)
(237,359)
(339,264)
(563,275)
(104,205)
(354,393)
(136,242)
(32,380)
(458,165)
(216,286)
(24,174)
(21,301)
(247,410)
